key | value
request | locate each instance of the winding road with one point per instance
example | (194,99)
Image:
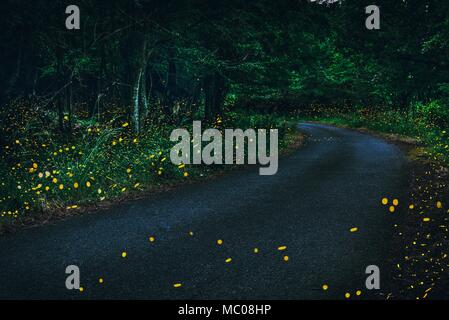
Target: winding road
(330,185)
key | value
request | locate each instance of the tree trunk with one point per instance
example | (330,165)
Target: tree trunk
(171,84)
(208,96)
(194,100)
(220,91)
(137,86)
(68,107)
(214,91)
(144,95)
(60,81)
(135,102)
(16,75)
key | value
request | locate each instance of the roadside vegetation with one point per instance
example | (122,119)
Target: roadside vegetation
(426,124)
(44,171)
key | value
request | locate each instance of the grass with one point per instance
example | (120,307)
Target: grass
(43,170)
(426,131)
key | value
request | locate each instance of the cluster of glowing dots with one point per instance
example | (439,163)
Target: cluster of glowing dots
(392,207)
(419,255)
(219,242)
(52,174)
(347,295)
(357,293)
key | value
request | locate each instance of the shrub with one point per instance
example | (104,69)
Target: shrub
(434,112)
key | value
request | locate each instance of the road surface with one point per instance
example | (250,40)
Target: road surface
(330,185)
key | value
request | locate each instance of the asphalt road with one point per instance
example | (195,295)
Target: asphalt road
(333,183)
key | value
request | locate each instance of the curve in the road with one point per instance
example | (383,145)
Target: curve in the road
(333,183)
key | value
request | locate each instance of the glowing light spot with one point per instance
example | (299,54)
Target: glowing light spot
(286,258)
(228,260)
(191,233)
(325,287)
(88,184)
(282,248)
(124,254)
(411,207)
(439,205)
(61,186)
(358,292)
(81,289)
(76,185)
(151,239)
(347,295)
(355,229)
(100,280)
(426,219)
(384,201)
(177,285)
(219,242)
(395,202)
(256,250)
(392,209)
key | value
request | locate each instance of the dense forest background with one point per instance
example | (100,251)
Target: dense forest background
(89,107)
(177,59)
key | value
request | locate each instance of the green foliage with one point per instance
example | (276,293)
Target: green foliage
(422,122)
(102,160)
(434,112)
